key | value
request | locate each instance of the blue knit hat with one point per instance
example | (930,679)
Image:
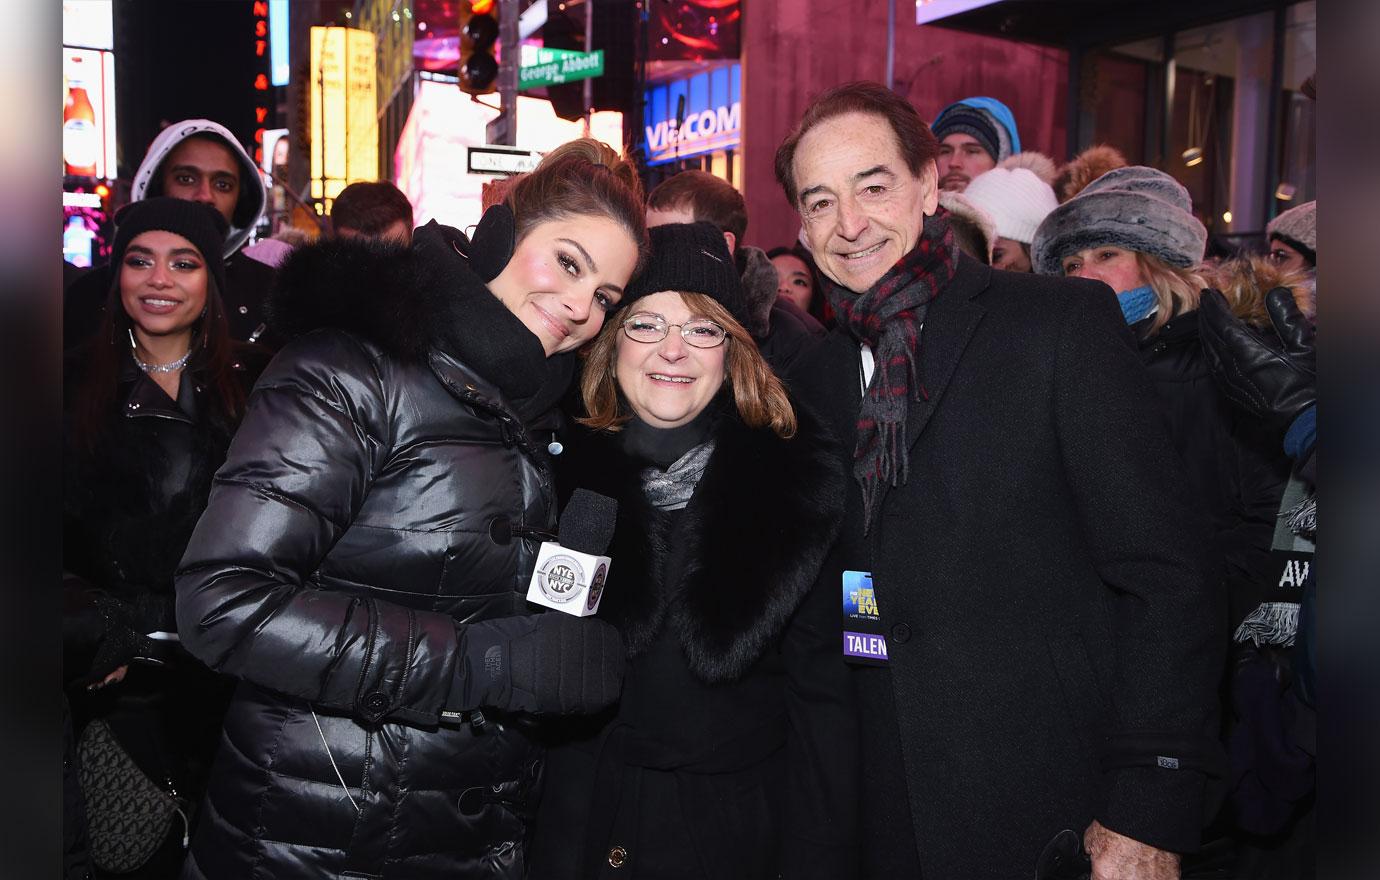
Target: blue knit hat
(987,120)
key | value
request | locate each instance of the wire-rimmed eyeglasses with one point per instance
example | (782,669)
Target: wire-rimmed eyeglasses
(650,327)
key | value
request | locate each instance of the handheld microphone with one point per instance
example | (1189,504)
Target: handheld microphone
(571,571)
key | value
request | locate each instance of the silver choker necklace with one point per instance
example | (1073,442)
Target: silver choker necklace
(171,367)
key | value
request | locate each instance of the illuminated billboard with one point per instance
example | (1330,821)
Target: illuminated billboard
(87,24)
(692,116)
(88,112)
(430,164)
(278,42)
(344,110)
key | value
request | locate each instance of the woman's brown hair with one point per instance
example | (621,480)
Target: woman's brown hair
(581,177)
(760,397)
(1176,289)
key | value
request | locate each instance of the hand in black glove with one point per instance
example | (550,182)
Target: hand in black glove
(1272,379)
(548,664)
(101,627)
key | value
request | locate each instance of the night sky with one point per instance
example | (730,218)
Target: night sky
(181,59)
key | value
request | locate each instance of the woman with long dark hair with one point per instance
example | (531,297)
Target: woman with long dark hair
(152,401)
(798,280)
(363,563)
(732,751)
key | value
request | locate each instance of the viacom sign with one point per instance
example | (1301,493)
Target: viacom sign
(712,115)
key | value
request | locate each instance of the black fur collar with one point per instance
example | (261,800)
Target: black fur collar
(747,548)
(405,300)
(412,301)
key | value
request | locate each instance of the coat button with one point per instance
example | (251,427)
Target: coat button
(900,633)
(618,856)
(376,702)
(244,310)
(501,530)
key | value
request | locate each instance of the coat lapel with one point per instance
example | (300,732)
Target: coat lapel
(948,327)
(950,323)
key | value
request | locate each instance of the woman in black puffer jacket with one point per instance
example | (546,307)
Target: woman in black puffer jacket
(362,564)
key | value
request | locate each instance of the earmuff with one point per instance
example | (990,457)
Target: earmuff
(493,242)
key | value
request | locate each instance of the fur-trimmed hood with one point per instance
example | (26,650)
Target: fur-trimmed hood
(759,288)
(413,302)
(406,300)
(1245,281)
(973,224)
(747,548)
(1035,162)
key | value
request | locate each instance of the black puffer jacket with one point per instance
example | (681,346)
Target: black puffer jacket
(1234,467)
(350,541)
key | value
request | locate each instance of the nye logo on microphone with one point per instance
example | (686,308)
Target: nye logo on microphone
(560,577)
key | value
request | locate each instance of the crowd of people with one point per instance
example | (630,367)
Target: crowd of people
(967,536)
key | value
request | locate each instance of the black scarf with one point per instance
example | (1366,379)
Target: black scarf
(491,339)
(888,317)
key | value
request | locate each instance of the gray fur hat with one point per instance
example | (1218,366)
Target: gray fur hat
(1136,208)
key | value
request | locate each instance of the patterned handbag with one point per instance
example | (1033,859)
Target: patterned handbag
(129,814)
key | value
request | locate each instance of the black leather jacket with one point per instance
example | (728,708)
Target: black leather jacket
(1234,467)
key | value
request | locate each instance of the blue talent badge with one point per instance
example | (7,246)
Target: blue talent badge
(863,642)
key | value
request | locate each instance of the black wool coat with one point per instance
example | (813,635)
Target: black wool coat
(1043,581)
(732,752)
(347,543)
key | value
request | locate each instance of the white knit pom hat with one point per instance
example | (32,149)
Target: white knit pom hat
(1015,198)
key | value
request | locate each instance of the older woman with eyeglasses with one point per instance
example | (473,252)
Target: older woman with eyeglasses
(729,754)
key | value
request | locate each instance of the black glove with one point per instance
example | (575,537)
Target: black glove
(1272,379)
(100,627)
(547,664)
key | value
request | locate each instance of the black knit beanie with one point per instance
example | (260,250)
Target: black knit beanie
(692,258)
(201,224)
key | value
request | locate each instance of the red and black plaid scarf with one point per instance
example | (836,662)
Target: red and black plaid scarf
(888,317)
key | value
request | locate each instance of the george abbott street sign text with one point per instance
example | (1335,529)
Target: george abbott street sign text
(551,67)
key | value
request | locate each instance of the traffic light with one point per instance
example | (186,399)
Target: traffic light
(478,69)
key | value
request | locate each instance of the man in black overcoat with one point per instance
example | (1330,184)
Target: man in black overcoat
(1052,647)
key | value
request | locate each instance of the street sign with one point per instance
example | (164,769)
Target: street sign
(552,67)
(492,159)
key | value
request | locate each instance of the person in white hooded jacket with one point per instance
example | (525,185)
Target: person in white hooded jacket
(198,160)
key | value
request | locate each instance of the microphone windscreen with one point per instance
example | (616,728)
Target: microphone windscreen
(587,522)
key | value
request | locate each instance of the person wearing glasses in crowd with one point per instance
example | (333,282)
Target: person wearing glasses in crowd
(730,752)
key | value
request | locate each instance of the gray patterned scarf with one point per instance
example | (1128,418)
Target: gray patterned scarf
(671,489)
